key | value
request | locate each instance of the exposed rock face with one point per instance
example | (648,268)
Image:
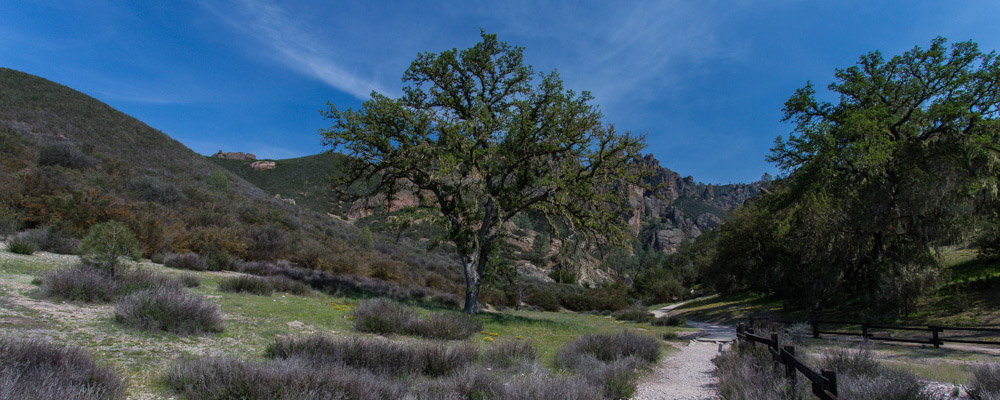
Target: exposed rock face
(678,207)
(235,156)
(262,165)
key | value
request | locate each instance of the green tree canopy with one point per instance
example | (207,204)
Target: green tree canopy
(482,138)
(879,178)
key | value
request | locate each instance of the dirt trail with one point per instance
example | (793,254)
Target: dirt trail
(687,373)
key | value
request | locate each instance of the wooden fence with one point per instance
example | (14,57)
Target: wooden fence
(824,383)
(871,331)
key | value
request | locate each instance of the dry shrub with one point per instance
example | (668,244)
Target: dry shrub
(79,283)
(246,284)
(386,317)
(511,353)
(168,311)
(634,314)
(19,244)
(190,261)
(36,369)
(985,384)
(64,154)
(376,355)
(286,379)
(609,348)
(286,285)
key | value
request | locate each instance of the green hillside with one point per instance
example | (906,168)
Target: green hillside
(70,161)
(303,179)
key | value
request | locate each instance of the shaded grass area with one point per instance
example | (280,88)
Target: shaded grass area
(252,322)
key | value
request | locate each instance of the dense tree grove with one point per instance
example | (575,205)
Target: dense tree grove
(902,163)
(481,139)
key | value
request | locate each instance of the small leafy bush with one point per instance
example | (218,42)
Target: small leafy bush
(985,384)
(386,317)
(669,321)
(65,155)
(152,189)
(544,299)
(190,261)
(247,284)
(168,311)
(36,369)
(286,285)
(48,239)
(20,244)
(511,353)
(106,243)
(634,314)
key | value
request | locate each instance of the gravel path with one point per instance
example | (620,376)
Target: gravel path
(687,373)
(684,375)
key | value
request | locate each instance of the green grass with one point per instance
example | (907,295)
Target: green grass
(251,323)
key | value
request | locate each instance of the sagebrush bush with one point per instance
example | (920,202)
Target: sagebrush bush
(386,317)
(377,355)
(246,284)
(511,353)
(190,280)
(36,369)
(609,348)
(134,280)
(634,314)
(617,378)
(860,375)
(79,283)
(190,261)
(64,154)
(47,239)
(152,189)
(480,383)
(168,311)
(285,379)
(747,374)
(286,285)
(20,244)
(985,383)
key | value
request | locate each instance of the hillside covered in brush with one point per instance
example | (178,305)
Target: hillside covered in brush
(68,161)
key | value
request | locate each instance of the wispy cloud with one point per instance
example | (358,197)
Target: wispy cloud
(288,41)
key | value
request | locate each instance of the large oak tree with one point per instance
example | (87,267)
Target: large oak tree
(482,138)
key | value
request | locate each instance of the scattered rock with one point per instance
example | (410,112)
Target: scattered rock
(263,165)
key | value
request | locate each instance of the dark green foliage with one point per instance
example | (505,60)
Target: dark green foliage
(634,314)
(267,242)
(153,189)
(376,355)
(877,181)
(985,383)
(544,299)
(170,311)
(669,321)
(35,369)
(106,243)
(386,317)
(561,275)
(217,180)
(529,144)
(21,244)
(246,284)
(189,261)
(511,353)
(65,155)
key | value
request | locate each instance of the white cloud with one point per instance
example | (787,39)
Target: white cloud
(288,41)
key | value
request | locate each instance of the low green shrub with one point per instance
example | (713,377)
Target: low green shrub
(168,311)
(247,284)
(152,189)
(189,261)
(37,369)
(107,243)
(19,244)
(190,281)
(286,285)
(634,314)
(669,321)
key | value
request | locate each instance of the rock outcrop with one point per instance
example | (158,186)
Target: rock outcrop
(262,165)
(235,156)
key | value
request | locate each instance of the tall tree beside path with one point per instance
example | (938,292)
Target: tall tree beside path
(482,138)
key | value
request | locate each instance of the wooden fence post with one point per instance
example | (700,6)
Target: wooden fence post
(775,349)
(936,339)
(815,325)
(831,378)
(864,330)
(789,368)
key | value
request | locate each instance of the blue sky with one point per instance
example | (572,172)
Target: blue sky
(705,80)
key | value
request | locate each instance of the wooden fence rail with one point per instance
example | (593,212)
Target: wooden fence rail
(935,337)
(824,383)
